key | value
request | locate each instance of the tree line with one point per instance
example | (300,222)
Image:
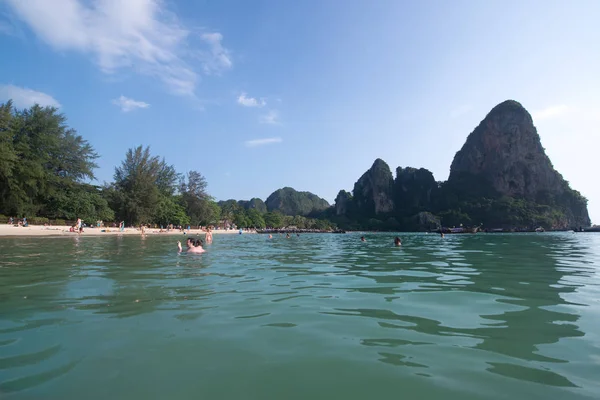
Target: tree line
(46,170)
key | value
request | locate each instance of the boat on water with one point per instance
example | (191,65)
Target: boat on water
(458,230)
(283,230)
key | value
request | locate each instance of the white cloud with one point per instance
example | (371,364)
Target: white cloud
(218,58)
(24,98)
(460,111)
(551,112)
(263,142)
(126,104)
(272,118)
(246,101)
(141,35)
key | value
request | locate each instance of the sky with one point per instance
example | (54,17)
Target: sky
(265,94)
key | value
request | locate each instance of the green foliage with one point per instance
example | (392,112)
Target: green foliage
(196,201)
(274,220)
(40,158)
(168,211)
(81,201)
(139,183)
(255,219)
(288,201)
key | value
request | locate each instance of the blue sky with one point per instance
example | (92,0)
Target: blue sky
(264,94)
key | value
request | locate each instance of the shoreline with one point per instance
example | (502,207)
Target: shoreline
(57,231)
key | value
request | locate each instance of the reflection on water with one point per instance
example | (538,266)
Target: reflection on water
(475,316)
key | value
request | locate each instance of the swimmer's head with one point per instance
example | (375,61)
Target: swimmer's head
(397,241)
(198,242)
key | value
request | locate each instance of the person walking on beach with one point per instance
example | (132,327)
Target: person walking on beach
(122,226)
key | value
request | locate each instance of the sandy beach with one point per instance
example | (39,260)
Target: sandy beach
(38,230)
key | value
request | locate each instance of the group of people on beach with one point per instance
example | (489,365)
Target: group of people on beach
(18,222)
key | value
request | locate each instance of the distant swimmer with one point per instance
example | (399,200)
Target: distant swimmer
(270,236)
(208,236)
(287,236)
(442,234)
(397,241)
(362,239)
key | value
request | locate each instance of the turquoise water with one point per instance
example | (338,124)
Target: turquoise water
(316,316)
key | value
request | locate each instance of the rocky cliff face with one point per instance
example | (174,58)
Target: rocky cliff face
(505,152)
(373,191)
(342,202)
(289,201)
(413,190)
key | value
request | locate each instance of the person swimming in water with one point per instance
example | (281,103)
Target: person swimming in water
(193,246)
(397,241)
(362,239)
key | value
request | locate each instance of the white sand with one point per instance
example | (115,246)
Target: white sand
(38,230)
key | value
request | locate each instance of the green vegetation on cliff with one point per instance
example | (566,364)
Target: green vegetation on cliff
(501,178)
(289,201)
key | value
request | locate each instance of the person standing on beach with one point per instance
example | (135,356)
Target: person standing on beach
(143,229)
(122,226)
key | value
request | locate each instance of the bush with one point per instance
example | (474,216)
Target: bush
(37,221)
(58,222)
(3,219)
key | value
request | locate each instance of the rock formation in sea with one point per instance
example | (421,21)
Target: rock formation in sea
(505,153)
(289,201)
(501,178)
(342,203)
(414,190)
(506,150)
(373,192)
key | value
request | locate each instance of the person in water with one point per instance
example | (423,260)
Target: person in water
(209,237)
(397,241)
(193,246)
(362,239)
(287,236)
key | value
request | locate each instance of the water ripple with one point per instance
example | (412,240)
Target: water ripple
(482,316)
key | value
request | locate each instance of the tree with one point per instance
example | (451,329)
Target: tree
(136,180)
(195,199)
(240,219)
(273,220)
(40,156)
(168,211)
(255,219)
